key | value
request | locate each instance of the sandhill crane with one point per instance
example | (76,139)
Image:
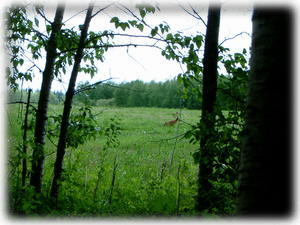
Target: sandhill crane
(172,122)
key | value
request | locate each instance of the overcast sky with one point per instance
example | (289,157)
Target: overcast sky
(144,63)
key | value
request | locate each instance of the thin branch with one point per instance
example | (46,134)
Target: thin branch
(194,14)
(21,102)
(129,89)
(129,11)
(167,139)
(186,122)
(199,17)
(39,11)
(51,153)
(188,12)
(52,142)
(40,34)
(34,65)
(100,10)
(230,38)
(74,15)
(135,60)
(91,86)
(135,16)
(127,35)
(112,46)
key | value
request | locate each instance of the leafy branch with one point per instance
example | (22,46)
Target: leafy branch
(106,46)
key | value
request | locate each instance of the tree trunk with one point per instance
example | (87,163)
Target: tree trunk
(41,116)
(68,106)
(210,62)
(264,181)
(25,127)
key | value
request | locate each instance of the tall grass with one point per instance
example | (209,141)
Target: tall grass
(146,180)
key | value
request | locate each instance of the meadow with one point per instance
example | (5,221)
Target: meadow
(150,172)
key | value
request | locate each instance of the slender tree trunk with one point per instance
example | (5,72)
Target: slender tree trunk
(41,116)
(25,127)
(264,181)
(68,106)
(208,116)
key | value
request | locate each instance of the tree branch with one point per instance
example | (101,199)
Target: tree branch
(126,35)
(135,16)
(21,102)
(39,11)
(112,46)
(230,38)
(199,17)
(100,10)
(129,89)
(91,86)
(195,15)
(74,15)
(34,64)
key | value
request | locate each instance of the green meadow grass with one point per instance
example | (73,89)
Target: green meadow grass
(154,171)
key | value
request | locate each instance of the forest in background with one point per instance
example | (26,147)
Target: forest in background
(168,94)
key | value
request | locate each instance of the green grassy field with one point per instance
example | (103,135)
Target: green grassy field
(154,171)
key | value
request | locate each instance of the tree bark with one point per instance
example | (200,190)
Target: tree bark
(25,127)
(265,171)
(209,90)
(68,106)
(41,116)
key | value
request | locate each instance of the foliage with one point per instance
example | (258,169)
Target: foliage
(21,35)
(228,127)
(231,95)
(111,132)
(82,127)
(100,165)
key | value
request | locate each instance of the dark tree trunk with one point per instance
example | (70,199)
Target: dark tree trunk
(68,106)
(41,116)
(25,127)
(264,181)
(210,62)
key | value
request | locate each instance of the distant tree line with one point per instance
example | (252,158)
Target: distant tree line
(168,94)
(55,98)
(137,93)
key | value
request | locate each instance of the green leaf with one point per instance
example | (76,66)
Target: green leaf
(169,37)
(124,25)
(154,31)
(187,41)
(48,28)
(132,22)
(198,41)
(150,9)
(142,12)
(140,27)
(36,21)
(114,20)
